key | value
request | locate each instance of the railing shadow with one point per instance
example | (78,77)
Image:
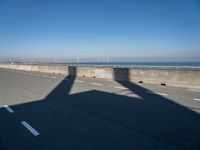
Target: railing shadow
(103,120)
(160,117)
(61,92)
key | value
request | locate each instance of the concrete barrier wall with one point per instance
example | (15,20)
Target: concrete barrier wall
(37,68)
(170,77)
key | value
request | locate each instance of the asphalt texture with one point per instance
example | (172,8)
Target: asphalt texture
(56,112)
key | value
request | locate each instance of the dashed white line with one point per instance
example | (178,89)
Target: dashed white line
(44,76)
(31,129)
(53,77)
(79,81)
(196,99)
(163,94)
(134,95)
(109,80)
(120,87)
(97,84)
(63,79)
(8,109)
(194,90)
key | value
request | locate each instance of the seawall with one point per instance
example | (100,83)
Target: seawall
(171,77)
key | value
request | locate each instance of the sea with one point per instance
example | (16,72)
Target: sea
(177,65)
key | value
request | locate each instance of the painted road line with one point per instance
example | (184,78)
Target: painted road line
(31,129)
(196,99)
(97,84)
(194,90)
(163,94)
(109,80)
(64,79)
(79,81)
(44,76)
(120,87)
(8,109)
(134,95)
(53,77)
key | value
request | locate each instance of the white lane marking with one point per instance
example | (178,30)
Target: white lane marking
(134,95)
(120,87)
(196,99)
(63,78)
(79,81)
(109,80)
(8,109)
(163,94)
(194,90)
(97,84)
(53,77)
(44,76)
(31,129)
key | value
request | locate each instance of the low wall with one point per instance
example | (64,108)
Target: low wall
(170,77)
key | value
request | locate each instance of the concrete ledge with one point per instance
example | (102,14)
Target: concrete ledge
(170,77)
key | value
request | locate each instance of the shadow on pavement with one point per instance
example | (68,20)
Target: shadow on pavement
(101,120)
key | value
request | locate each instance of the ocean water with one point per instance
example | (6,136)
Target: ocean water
(177,65)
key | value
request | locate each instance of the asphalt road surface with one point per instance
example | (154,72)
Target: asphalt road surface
(54,112)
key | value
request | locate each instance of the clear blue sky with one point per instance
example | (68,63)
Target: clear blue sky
(135,28)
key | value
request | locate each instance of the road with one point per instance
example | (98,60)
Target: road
(56,112)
